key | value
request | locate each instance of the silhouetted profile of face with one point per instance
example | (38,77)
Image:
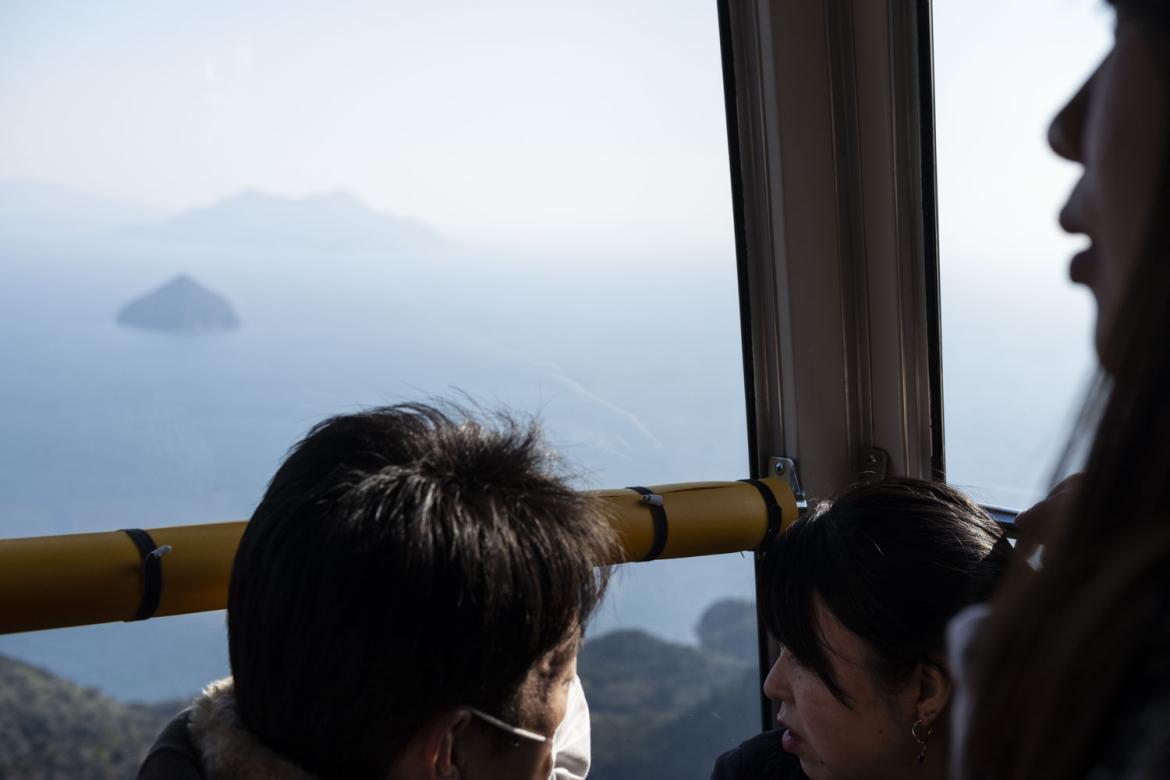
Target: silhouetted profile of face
(1115,127)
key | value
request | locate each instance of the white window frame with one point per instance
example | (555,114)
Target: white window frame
(836,208)
(831,132)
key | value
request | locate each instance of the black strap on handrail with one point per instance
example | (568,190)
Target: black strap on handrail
(151,555)
(658,514)
(775,514)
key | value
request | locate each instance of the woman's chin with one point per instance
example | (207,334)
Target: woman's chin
(1106,352)
(810,771)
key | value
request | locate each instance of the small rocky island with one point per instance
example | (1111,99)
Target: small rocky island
(182,305)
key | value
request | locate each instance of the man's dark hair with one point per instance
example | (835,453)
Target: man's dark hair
(893,561)
(404,560)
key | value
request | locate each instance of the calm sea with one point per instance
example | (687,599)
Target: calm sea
(632,363)
(103,427)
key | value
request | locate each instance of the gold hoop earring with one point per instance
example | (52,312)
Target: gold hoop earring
(921,740)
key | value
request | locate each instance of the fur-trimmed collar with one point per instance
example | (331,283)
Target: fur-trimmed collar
(227,749)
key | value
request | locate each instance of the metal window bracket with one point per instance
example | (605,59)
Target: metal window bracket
(872,463)
(786,468)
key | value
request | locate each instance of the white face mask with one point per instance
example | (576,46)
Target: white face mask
(571,745)
(571,748)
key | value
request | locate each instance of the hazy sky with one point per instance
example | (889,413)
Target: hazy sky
(595,124)
(1002,70)
(503,122)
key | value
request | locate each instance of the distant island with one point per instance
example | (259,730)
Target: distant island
(182,305)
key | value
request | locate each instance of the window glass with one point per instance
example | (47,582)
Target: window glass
(1017,345)
(222,223)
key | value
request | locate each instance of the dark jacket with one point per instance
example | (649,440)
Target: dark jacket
(760,757)
(172,755)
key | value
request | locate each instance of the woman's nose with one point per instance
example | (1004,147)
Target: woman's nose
(776,683)
(1066,133)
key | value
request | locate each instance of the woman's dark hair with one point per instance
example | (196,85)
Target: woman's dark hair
(404,560)
(894,561)
(1071,653)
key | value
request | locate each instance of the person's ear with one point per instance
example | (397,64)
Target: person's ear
(437,741)
(934,691)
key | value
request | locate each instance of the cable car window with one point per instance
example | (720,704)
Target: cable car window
(221,224)
(1017,346)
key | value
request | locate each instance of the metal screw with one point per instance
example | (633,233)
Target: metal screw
(871,459)
(780,467)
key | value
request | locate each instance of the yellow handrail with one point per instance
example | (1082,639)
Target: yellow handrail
(78,579)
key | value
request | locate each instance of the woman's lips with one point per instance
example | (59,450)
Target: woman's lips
(1072,221)
(789,740)
(1081,268)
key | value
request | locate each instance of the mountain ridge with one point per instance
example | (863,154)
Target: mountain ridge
(335,221)
(31,208)
(659,709)
(53,728)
